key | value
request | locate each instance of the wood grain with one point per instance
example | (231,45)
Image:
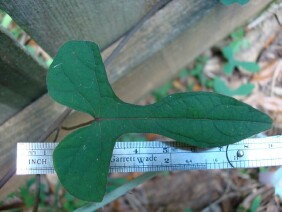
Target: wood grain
(52,22)
(136,75)
(26,126)
(22,76)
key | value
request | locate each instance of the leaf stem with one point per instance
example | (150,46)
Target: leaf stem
(118,192)
(77,126)
(37,193)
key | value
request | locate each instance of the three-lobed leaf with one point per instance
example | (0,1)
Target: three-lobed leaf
(77,78)
(229,67)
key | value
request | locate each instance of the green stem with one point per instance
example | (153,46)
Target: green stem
(117,192)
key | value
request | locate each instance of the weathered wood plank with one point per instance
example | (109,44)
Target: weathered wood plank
(161,29)
(162,57)
(10,103)
(22,76)
(26,126)
(52,22)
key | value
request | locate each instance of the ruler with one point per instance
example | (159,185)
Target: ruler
(152,156)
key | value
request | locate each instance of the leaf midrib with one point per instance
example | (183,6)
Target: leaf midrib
(174,118)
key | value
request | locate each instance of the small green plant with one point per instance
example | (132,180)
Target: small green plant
(77,78)
(256,203)
(26,195)
(221,87)
(238,41)
(161,92)
(196,72)
(229,2)
(232,63)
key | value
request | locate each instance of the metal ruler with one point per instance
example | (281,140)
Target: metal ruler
(149,156)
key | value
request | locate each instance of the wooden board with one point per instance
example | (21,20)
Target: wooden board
(155,54)
(26,126)
(52,22)
(170,22)
(22,76)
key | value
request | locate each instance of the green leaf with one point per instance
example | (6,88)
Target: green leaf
(27,197)
(184,73)
(249,66)
(197,71)
(161,92)
(238,34)
(228,68)
(132,137)
(221,87)
(238,40)
(229,2)
(228,52)
(256,203)
(238,44)
(77,78)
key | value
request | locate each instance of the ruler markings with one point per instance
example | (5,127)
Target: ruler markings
(142,156)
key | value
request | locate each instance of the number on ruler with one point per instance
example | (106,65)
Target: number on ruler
(270,146)
(188,161)
(31,152)
(165,150)
(166,160)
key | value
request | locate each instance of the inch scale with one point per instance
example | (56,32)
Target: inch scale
(152,156)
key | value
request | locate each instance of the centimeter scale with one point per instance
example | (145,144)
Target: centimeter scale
(152,156)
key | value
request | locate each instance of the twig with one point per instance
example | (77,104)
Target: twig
(248,200)
(7,176)
(37,193)
(134,202)
(223,198)
(57,135)
(12,206)
(275,75)
(37,180)
(226,196)
(55,125)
